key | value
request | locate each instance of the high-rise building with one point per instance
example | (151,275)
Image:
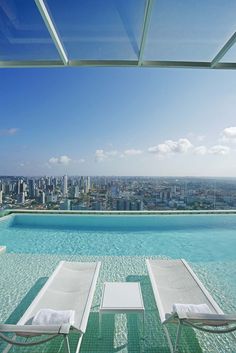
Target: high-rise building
(76,194)
(54,182)
(22,187)
(21,198)
(114,191)
(31,188)
(81,183)
(65,189)
(66,205)
(87,184)
(1,197)
(41,183)
(37,192)
(18,187)
(48,181)
(42,198)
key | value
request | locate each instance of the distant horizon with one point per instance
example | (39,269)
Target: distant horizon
(118,176)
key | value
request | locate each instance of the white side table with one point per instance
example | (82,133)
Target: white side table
(121,297)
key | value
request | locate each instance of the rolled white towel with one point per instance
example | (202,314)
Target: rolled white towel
(191,308)
(54,317)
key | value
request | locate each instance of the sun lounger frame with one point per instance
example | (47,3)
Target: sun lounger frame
(212,323)
(52,331)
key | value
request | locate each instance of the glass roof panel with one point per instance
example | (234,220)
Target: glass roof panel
(23,34)
(230,56)
(99,30)
(189,30)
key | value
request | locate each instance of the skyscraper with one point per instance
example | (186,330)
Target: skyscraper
(87,184)
(65,190)
(76,193)
(42,197)
(31,188)
(19,186)
(21,198)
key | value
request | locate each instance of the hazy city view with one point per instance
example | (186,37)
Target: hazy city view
(117,193)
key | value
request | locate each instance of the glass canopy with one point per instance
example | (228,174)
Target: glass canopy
(146,33)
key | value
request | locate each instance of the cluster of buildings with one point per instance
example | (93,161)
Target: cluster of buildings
(116,193)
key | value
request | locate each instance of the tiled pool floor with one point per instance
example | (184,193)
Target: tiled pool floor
(23,276)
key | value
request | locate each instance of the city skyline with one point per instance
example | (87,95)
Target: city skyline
(81,193)
(131,122)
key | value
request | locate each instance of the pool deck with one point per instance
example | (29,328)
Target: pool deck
(120,333)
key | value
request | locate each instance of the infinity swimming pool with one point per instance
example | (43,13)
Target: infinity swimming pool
(194,237)
(35,244)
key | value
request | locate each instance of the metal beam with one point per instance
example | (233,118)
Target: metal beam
(189,65)
(118,63)
(103,63)
(224,50)
(52,30)
(177,64)
(146,24)
(31,63)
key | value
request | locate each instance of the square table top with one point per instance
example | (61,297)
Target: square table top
(122,296)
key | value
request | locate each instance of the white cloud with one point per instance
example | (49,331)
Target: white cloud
(219,150)
(101,155)
(111,153)
(229,134)
(216,150)
(81,160)
(60,160)
(53,160)
(170,147)
(132,152)
(9,132)
(201,137)
(192,135)
(64,160)
(200,150)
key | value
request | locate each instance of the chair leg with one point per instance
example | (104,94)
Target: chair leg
(100,325)
(79,344)
(176,348)
(66,344)
(168,339)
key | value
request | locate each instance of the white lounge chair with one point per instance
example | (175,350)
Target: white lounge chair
(173,281)
(70,287)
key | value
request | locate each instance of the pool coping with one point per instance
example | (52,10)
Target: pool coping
(7,213)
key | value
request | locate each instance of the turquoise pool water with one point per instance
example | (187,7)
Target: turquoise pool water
(35,244)
(194,237)
(197,238)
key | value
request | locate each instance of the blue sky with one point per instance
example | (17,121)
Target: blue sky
(113,121)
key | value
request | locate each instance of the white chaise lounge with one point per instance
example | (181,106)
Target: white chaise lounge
(173,281)
(70,287)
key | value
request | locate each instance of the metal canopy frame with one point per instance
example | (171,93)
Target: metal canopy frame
(52,30)
(140,62)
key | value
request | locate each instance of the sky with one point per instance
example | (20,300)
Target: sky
(118,121)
